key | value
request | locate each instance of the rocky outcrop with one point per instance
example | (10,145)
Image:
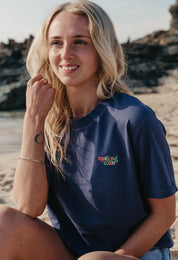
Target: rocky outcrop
(174,22)
(153,60)
(13,74)
(151,65)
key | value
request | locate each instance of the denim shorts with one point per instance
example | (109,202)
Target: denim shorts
(157,254)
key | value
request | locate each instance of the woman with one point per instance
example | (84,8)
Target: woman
(94,154)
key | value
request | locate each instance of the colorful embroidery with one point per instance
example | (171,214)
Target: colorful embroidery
(108,160)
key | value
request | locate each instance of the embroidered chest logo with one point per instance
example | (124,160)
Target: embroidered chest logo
(108,160)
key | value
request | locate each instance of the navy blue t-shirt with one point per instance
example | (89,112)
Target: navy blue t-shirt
(118,157)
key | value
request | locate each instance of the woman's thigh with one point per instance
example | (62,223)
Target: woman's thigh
(157,254)
(29,239)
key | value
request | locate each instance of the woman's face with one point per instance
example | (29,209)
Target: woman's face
(72,54)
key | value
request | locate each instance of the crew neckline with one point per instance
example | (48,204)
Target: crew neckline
(90,117)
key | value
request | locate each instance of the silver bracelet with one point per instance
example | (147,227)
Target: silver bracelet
(30,159)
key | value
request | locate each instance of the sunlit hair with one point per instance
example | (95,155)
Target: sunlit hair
(112,67)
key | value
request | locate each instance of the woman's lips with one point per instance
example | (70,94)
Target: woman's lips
(69,68)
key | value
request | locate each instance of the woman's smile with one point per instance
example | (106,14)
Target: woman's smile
(69,68)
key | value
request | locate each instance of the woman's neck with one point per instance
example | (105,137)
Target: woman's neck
(82,102)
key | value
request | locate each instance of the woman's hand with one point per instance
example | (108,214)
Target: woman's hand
(39,97)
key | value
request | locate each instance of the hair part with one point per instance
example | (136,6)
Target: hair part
(112,68)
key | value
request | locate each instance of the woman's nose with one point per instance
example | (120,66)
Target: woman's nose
(67,52)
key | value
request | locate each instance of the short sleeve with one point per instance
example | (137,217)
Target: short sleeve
(153,160)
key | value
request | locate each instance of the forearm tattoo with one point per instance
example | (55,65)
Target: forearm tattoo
(39,138)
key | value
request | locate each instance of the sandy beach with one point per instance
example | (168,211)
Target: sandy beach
(164,103)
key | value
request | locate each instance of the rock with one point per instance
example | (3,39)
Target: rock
(150,65)
(169,39)
(153,60)
(174,22)
(171,80)
(12,96)
(13,74)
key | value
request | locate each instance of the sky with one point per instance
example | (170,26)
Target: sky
(132,18)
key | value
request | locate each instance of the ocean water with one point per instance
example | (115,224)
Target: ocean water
(11,124)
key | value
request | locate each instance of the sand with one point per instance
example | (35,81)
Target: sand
(164,103)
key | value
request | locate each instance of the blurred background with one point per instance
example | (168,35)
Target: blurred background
(132,18)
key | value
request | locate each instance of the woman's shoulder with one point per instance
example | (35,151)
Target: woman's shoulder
(129,107)
(129,112)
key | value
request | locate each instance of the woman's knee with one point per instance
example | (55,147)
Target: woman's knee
(7,248)
(4,209)
(99,255)
(103,255)
(10,219)
(6,215)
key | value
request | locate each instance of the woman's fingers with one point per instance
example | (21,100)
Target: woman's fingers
(40,95)
(37,82)
(45,81)
(36,79)
(33,80)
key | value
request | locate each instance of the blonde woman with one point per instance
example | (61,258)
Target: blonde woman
(95,155)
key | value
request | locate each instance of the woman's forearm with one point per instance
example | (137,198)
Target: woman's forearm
(30,184)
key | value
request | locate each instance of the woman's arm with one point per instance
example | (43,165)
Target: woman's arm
(152,229)
(30,184)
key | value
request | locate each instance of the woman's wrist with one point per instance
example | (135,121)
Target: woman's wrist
(33,135)
(35,120)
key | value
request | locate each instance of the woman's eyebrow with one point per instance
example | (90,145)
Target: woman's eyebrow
(80,36)
(75,36)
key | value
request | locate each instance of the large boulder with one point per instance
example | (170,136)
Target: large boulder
(151,65)
(12,96)
(13,74)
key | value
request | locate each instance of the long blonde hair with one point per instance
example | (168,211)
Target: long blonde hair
(57,127)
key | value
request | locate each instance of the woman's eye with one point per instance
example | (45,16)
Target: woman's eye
(56,43)
(80,42)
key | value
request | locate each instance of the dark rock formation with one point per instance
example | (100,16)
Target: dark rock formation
(13,74)
(153,60)
(151,65)
(174,22)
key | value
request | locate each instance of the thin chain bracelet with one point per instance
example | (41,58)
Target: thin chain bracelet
(30,159)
